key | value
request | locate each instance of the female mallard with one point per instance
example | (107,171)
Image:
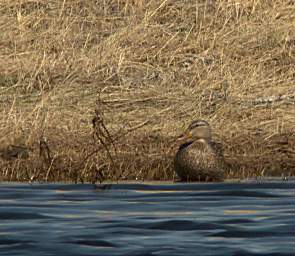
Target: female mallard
(199,158)
(14,152)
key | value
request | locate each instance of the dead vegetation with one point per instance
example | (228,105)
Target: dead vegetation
(95,90)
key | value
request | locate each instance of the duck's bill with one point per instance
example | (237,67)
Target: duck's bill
(185,135)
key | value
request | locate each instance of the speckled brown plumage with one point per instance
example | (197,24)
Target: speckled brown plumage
(198,158)
(14,152)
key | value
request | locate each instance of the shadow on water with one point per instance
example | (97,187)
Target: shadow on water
(253,218)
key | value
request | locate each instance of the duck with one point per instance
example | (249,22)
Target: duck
(198,157)
(13,152)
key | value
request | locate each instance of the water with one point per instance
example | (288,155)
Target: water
(140,219)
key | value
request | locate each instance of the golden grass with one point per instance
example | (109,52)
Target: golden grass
(148,68)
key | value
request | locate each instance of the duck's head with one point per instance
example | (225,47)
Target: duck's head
(197,130)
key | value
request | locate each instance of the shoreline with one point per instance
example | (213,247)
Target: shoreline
(144,70)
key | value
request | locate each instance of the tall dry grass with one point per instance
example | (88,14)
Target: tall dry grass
(144,69)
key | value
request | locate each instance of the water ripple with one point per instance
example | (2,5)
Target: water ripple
(254,218)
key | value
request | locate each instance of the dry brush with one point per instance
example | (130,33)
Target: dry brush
(96,90)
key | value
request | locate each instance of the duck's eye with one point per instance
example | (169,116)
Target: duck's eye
(194,125)
(198,123)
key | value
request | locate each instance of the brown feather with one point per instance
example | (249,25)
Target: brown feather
(200,159)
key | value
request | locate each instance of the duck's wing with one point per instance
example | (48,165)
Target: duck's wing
(195,159)
(217,147)
(218,150)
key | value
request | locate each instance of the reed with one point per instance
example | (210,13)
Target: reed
(98,90)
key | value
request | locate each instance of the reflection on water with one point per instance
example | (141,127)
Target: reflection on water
(143,219)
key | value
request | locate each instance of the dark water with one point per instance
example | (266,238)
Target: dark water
(136,219)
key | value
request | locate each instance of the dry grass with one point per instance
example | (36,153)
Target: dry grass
(148,68)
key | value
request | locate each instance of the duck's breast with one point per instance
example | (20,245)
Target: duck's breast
(196,160)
